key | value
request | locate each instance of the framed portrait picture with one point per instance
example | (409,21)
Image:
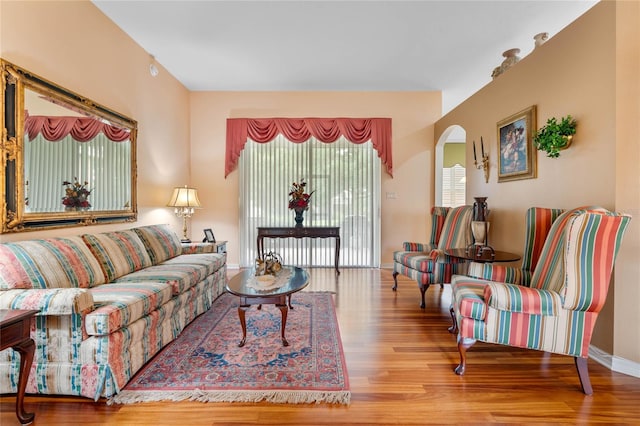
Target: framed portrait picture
(208,236)
(517,157)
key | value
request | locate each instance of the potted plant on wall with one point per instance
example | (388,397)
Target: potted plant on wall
(555,136)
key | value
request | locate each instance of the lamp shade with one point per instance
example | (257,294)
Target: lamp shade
(184,197)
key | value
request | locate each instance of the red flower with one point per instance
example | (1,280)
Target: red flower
(299,199)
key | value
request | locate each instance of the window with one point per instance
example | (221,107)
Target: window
(453,186)
(346,180)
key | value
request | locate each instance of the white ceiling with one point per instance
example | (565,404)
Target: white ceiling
(450,46)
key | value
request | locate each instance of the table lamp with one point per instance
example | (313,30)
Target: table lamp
(184,201)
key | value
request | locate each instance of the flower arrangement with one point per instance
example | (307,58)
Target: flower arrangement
(76,194)
(299,199)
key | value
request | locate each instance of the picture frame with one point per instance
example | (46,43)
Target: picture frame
(208,236)
(517,157)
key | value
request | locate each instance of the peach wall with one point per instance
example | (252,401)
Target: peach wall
(73,44)
(412,114)
(626,333)
(573,73)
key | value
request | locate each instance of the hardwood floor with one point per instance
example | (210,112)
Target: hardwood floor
(400,361)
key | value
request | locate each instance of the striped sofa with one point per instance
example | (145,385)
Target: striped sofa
(108,303)
(426,262)
(557,310)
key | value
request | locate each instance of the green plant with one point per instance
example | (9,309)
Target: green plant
(555,136)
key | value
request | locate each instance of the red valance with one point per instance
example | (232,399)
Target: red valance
(298,130)
(82,129)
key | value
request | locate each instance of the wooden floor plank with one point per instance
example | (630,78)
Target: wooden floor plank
(400,360)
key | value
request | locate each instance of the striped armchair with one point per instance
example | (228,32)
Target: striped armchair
(557,311)
(426,262)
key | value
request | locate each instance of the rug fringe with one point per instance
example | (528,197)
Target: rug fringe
(284,397)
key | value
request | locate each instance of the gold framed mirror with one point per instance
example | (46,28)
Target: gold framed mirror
(66,160)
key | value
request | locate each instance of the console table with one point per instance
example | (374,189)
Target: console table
(300,232)
(15,325)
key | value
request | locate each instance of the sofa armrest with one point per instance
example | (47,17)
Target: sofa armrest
(198,248)
(519,299)
(496,273)
(422,247)
(54,301)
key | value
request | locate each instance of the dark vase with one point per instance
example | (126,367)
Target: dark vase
(480,209)
(299,216)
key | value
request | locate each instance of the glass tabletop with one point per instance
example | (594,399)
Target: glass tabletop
(289,280)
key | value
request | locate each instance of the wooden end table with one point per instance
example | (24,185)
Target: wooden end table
(15,326)
(243,285)
(484,257)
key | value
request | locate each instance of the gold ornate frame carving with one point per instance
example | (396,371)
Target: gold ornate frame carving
(14,213)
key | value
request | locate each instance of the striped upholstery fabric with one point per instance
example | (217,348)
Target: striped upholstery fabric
(568,288)
(495,272)
(48,263)
(424,262)
(120,304)
(456,228)
(520,299)
(161,242)
(538,222)
(119,253)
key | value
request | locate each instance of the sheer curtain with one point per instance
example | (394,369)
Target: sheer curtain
(346,181)
(48,164)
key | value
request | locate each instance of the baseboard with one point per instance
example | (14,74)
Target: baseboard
(386,266)
(614,363)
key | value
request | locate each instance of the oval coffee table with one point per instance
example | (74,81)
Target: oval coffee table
(261,290)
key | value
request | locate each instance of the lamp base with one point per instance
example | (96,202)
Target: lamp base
(185,240)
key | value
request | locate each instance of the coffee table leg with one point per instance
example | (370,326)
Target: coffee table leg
(241,313)
(283,309)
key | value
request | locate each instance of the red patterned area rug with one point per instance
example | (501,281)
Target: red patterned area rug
(205,363)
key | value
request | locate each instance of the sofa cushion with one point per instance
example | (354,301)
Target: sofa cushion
(181,273)
(120,304)
(119,253)
(49,263)
(161,242)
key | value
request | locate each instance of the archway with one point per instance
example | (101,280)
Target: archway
(450,167)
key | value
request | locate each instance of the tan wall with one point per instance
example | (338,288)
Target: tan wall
(74,45)
(626,333)
(412,114)
(573,73)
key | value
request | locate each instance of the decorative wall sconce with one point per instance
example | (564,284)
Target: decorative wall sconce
(484,162)
(184,201)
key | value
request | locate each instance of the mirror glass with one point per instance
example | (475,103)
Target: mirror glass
(68,161)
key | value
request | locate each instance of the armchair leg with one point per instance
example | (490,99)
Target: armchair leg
(423,290)
(454,323)
(395,281)
(583,374)
(464,343)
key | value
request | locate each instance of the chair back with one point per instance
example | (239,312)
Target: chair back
(549,271)
(438,215)
(593,241)
(537,224)
(456,229)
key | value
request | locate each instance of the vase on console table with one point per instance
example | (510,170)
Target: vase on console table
(299,216)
